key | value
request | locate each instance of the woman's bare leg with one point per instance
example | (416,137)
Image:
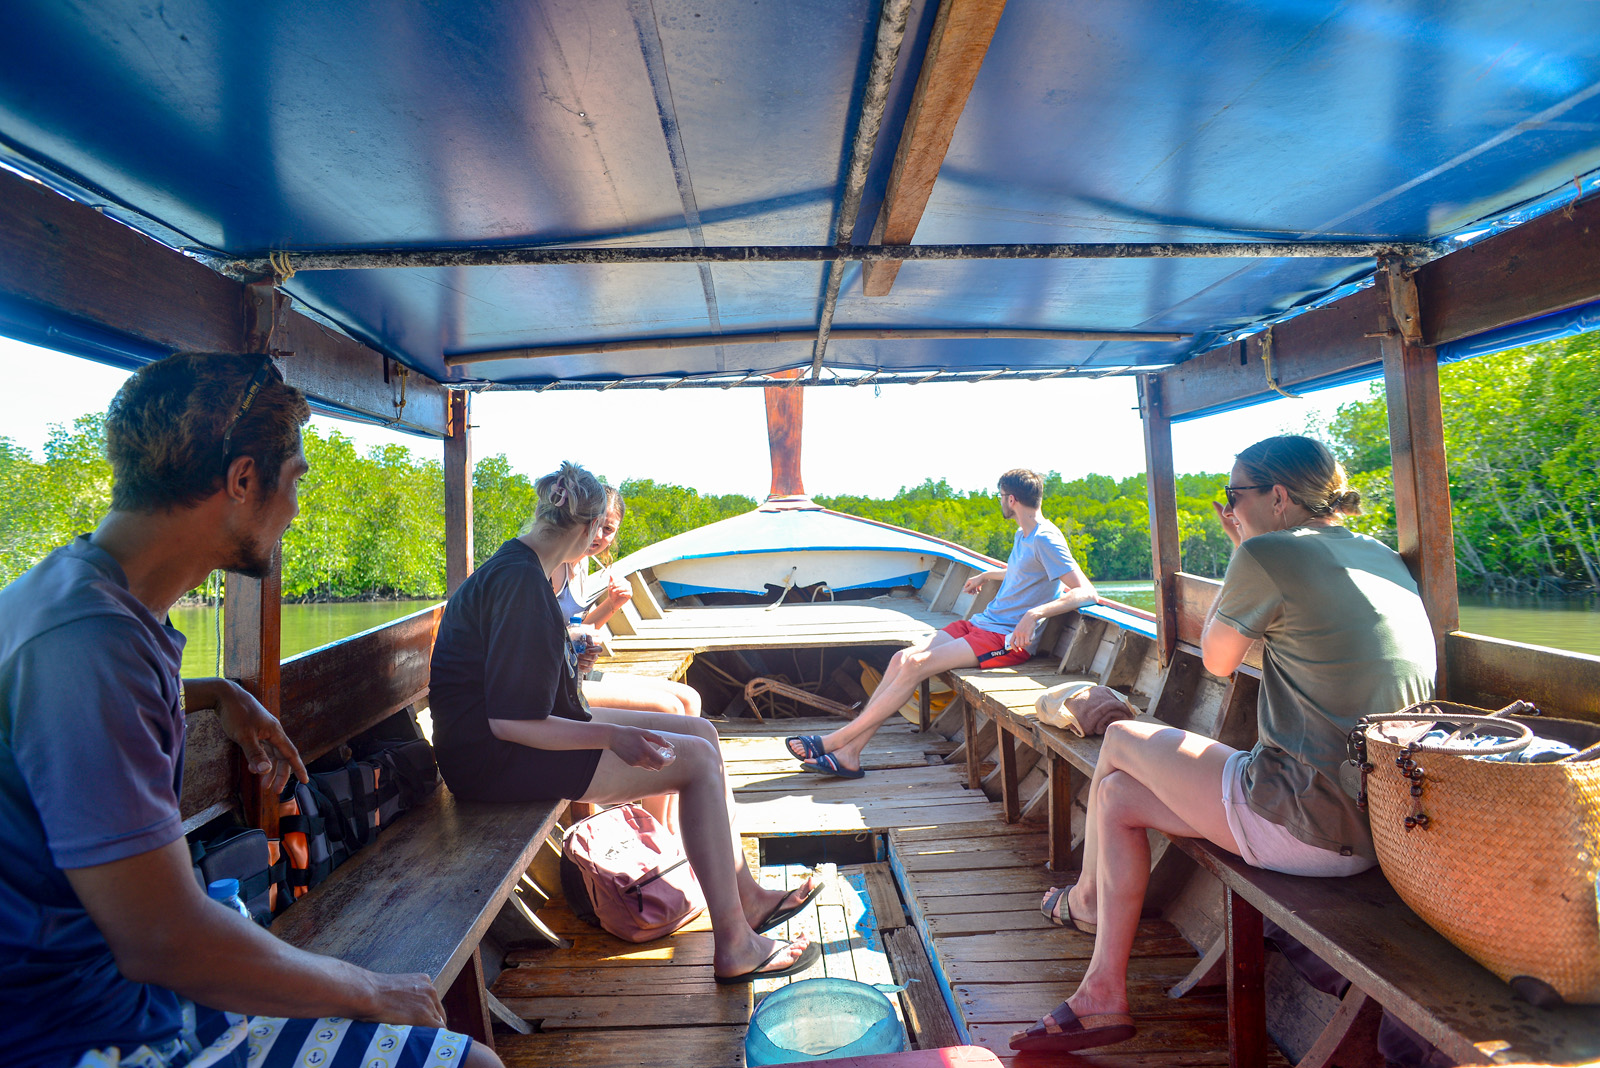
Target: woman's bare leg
(733,897)
(640,693)
(1148,776)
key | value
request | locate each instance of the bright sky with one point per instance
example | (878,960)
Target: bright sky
(857,441)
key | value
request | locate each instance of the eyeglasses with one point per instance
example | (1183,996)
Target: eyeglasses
(268,369)
(1232,492)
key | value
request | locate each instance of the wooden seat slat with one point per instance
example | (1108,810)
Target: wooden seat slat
(1361,927)
(421,895)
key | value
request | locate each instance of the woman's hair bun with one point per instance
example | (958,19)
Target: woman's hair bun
(1346,503)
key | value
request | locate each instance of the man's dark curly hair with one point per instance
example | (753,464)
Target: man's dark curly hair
(165,427)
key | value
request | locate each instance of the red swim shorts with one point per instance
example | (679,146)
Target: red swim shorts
(987,646)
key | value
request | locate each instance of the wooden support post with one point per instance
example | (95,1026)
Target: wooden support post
(251,630)
(1423,523)
(1247,988)
(785,421)
(1009,802)
(458,492)
(1161,488)
(1063,785)
(466,1003)
(1351,1038)
(969,739)
(924,706)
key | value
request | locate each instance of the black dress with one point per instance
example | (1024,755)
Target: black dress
(501,653)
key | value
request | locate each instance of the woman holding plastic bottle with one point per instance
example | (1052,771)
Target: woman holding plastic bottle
(511,724)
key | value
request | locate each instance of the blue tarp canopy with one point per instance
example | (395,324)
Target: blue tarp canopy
(231,129)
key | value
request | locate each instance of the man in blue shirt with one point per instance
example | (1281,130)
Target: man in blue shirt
(1040,580)
(105,936)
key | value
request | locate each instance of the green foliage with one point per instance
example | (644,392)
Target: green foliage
(1522,431)
(1106,522)
(44,505)
(657,511)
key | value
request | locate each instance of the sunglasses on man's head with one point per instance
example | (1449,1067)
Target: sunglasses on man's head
(1232,492)
(268,369)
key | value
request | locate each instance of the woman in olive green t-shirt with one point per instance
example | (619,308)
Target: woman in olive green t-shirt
(1344,635)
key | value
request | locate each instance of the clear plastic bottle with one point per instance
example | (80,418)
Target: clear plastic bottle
(580,643)
(227,892)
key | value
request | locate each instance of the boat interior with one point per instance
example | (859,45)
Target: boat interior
(406,205)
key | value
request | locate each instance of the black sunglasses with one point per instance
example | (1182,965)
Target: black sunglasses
(267,370)
(1232,492)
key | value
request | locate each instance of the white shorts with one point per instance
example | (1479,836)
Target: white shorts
(1264,844)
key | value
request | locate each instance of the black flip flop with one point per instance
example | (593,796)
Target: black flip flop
(828,764)
(807,958)
(788,912)
(1048,908)
(1064,1031)
(810,745)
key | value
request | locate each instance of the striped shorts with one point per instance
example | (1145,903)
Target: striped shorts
(214,1039)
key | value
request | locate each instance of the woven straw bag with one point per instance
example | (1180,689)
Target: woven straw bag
(1501,858)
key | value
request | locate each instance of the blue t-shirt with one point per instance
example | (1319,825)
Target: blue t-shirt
(1034,570)
(91,763)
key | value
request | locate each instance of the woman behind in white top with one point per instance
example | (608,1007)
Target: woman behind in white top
(636,693)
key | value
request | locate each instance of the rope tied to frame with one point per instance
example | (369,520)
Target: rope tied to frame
(1266,367)
(281,267)
(404,373)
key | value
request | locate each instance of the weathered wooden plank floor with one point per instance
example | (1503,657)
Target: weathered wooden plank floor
(605,1002)
(906,783)
(975,894)
(972,883)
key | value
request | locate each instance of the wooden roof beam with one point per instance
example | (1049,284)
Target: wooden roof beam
(962,30)
(1541,267)
(1546,265)
(71,260)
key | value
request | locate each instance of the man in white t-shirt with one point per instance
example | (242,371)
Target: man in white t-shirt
(1040,580)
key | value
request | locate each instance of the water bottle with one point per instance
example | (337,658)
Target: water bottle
(580,644)
(227,892)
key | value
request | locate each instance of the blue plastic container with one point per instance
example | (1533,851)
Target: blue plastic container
(820,1019)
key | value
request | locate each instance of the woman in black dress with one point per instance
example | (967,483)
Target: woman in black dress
(510,724)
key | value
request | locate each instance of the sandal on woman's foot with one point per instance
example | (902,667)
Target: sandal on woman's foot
(1063,1031)
(807,958)
(1048,907)
(783,912)
(828,764)
(804,746)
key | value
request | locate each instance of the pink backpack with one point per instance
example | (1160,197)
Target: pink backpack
(623,871)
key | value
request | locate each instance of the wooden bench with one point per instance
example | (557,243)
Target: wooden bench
(1392,958)
(1359,926)
(422,895)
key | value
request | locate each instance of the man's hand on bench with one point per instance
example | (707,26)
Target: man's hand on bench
(267,749)
(163,930)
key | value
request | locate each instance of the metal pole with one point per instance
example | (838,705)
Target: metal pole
(544,256)
(885,54)
(761,381)
(586,348)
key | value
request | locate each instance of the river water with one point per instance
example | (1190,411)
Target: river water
(305,626)
(1572,624)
